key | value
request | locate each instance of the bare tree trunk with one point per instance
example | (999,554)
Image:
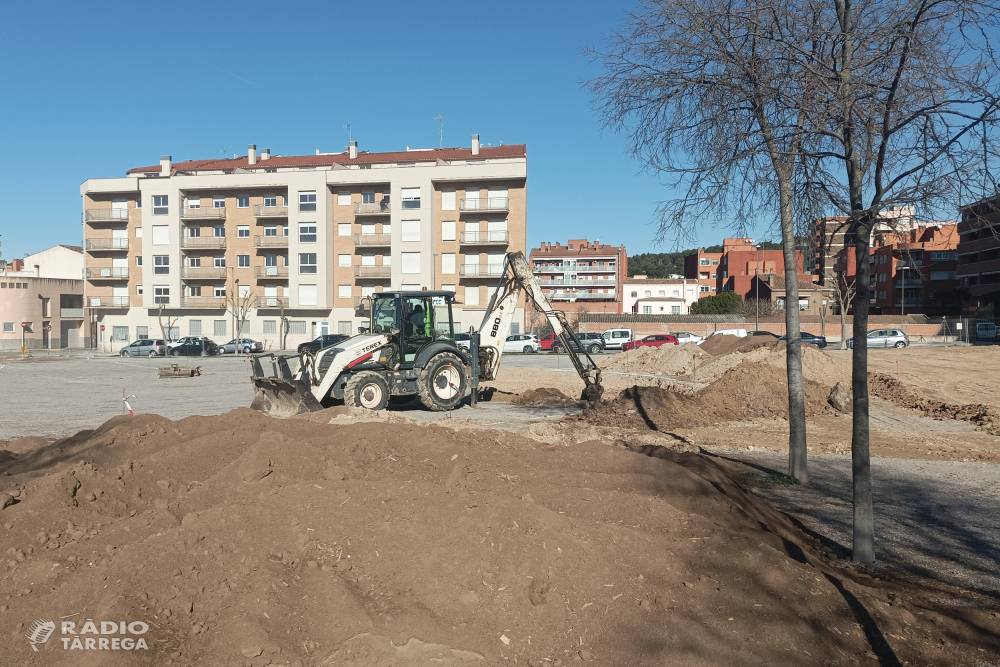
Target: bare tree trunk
(797,457)
(843,326)
(864,514)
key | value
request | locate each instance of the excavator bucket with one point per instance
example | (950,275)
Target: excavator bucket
(280,394)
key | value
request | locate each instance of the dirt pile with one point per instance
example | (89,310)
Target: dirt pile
(986,418)
(664,360)
(747,392)
(244,540)
(718,346)
(545,396)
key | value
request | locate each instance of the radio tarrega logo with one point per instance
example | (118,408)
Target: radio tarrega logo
(107,635)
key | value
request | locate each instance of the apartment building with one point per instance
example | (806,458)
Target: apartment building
(172,249)
(41,300)
(703,267)
(581,276)
(830,235)
(979,250)
(643,295)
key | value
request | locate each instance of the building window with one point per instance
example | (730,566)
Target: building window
(218,202)
(161,294)
(138,232)
(307,295)
(704,261)
(194,328)
(344,291)
(703,288)
(344,261)
(270,327)
(194,261)
(160,204)
(296,326)
(307,232)
(220,262)
(8,327)
(411,198)
(344,228)
(448,200)
(138,260)
(343,199)
(472,295)
(243,261)
(647,310)
(194,290)
(307,201)
(119,334)
(410,262)
(410,230)
(219,232)
(270,231)
(367,197)
(242,201)
(219,328)
(220,291)
(243,231)
(448,262)
(161,235)
(447,230)
(307,262)
(714,276)
(270,201)
(138,290)
(161,264)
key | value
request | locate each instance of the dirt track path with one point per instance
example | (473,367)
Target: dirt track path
(937,519)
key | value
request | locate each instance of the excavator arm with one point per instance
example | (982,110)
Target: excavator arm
(517,277)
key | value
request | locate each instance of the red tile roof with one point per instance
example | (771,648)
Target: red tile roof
(485,152)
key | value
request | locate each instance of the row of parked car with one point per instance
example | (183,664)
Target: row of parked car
(189,346)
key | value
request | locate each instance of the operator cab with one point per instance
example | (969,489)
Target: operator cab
(414,320)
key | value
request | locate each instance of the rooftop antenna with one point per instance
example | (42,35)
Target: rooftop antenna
(225,153)
(350,136)
(441,138)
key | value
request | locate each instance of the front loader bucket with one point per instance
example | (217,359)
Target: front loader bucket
(280,395)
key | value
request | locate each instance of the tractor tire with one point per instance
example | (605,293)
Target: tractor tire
(442,382)
(367,390)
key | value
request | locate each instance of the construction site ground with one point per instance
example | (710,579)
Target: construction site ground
(656,530)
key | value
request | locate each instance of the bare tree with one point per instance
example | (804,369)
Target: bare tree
(906,88)
(709,99)
(240,306)
(843,293)
(165,331)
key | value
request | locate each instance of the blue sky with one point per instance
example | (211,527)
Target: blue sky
(93,89)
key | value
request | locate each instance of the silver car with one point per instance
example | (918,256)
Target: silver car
(145,347)
(884,338)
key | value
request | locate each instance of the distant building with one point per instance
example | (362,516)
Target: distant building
(978,249)
(642,295)
(703,267)
(44,291)
(771,287)
(581,276)
(830,235)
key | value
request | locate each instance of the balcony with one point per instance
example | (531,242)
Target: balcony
(203,272)
(270,242)
(372,271)
(203,242)
(270,272)
(912,301)
(71,313)
(577,282)
(108,302)
(909,282)
(481,270)
(207,213)
(105,215)
(572,268)
(484,205)
(580,295)
(373,240)
(100,245)
(270,211)
(114,273)
(498,237)
(215,302)
(271,302)
(375,208)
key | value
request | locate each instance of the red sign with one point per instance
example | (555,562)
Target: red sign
(102,327)
(24,325)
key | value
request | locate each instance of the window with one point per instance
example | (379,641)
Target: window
(270,201)
(243,231)
(194,261)
(703,288)
(704,262)
(161,235)
(307,295)
(447,230)
(296,326)
(193,232)
(647,293)
(8,327)
(219,262)
(386,260)
(410,262)
(138,290)
(219,232)
(220,291)
(344,228)
(138,260)
(271,231)
(161,294)
(138,232)
(194,328)
(159,205)
(367,197)
(448,262)
(714,276)
(943,275)
(449,288)
(307,201)
(344,291)
(138,202)
(307,262)
(677,292)
(219,328)
(194,290)
(270,327)
(243,261)
(307,232)
(193,202)
(411,230)
(344,260)
(942,256)
(472,295)
(242,201)
(119,333)
(161,264)
(343,199)
(218,202)
(271,260)
(634,294)
(675,310)
(284,231)
(411,198)
(344,327)
(448,200)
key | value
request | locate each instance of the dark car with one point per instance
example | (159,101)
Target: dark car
(194,349)
(818,341)
(768,333)
(592,343)
(317,344)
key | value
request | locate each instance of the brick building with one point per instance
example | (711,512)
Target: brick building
(703,267)
(581,276)
(978,250)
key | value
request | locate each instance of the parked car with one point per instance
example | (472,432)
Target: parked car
(522,343)
(246,346)
(547,340)
(592,343)
(818,341)
(463,340)
(884,338)
(320,342)
(762,333)
(739,333)
(985,332)
(614,339)
(145,347)
(195,349)
(187,340)
(654,340)
(687,337)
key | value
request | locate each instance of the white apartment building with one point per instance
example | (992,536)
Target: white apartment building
(297,238)
(659,296)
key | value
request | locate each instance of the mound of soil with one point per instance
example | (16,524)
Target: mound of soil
(544,396)
(664,360)
(817,365)
(745,392)
(986,418)
(245,540)
(720,345)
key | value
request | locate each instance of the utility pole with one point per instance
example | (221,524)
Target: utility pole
(756,275)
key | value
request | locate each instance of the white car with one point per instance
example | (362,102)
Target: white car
(686,337)
(614,339)
(463,340)
(522,343)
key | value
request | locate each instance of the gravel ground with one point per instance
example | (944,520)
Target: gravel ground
(934,519)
